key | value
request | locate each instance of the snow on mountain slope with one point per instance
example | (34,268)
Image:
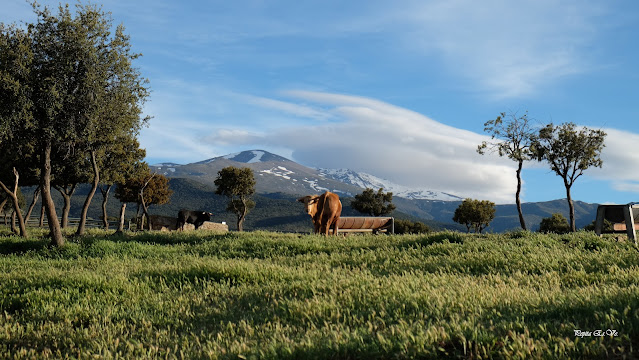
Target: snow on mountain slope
(278,174)
(365,180)
(280,171)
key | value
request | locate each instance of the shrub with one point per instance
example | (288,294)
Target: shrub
(475,214)
(557,223)
(409,227)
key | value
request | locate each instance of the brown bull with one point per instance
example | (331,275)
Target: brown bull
(324,209)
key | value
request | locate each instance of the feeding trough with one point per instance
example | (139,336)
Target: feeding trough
(347,224)
(624,219)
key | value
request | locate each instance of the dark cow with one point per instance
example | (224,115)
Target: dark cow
(324,209)
(192,217)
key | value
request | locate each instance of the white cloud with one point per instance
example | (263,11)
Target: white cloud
(287,107)
(620,158)
(370,135)
(508,48)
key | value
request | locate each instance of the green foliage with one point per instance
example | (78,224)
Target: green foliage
(238,185)
(372,203)
(410,227)
(515,137)
(119,160)
(607,226)
(68,90)
(557,224)
(569,152)
(156,192)
(284,296)
(475,214)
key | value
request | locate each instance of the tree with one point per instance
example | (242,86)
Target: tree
(15,196)
(34,199)
(118,162)
(68,170)
(556,223)
(17,153)
(238,185)
(374,204)
(145,189)
(409,227)
(475,214)
(569,152)
(515,137)
(4,198)
(72,86)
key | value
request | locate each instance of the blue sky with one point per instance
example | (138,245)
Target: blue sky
(400,89)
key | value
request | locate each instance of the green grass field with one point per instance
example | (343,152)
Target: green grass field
(278,296)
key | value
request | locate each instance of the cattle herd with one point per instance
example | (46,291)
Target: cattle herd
(325,210)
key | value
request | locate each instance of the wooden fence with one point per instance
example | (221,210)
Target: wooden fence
(74,222)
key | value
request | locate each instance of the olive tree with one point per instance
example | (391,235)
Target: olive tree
(374,203)
(71,83)
(512,137)
(569,151)
(556,223)
(17,150)
(238,185)
(117,163)
(475,214)
(145,188)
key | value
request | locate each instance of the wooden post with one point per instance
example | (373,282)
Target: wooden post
(599,222)
(630,223)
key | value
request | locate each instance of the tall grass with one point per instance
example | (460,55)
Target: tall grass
(273,295)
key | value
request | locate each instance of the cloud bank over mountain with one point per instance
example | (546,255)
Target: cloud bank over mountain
(375,137)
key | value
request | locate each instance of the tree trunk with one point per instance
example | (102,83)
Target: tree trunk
(240,223)
(517,198)
(571,206)
(2,204)
(144,207)
(67,193)
(36,195)
(145,211)
(41,224)
(13,223)
(87,202)
(105,199)
(16,205)
(65,209)
(121,225)
(137,216)
(45,183)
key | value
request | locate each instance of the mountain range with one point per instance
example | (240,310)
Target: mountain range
(275,173)
(281,179)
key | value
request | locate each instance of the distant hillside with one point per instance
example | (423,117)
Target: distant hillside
(280,181)
(273,211)
(506,216)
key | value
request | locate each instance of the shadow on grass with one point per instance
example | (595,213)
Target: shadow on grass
(168,238)
(15,245)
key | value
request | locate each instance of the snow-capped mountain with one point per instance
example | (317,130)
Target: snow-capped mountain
(248,157)
(275,173)
(365,180)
